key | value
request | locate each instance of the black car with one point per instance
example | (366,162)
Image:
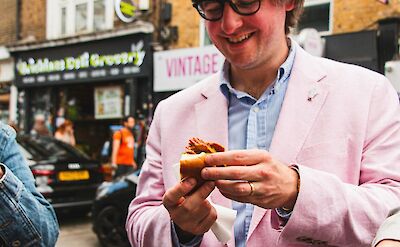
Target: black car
(110,209)
(65,176)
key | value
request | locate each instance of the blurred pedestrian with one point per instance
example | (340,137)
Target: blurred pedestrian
(26,218)
(122,157)
(39,126)
(65,133)
(140,134)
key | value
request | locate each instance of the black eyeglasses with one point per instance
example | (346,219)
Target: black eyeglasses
(212,10)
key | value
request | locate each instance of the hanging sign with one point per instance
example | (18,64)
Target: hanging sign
(126,10)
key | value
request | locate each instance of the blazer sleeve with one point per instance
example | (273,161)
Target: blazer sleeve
(148,222)
(390,228)
(329,211)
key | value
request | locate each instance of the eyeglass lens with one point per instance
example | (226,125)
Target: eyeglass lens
(213,9)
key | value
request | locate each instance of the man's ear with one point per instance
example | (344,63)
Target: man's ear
(289,5)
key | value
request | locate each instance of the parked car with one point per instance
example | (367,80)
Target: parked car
(65,176)
(110,209)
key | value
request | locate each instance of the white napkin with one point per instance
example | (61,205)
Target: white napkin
(225,216)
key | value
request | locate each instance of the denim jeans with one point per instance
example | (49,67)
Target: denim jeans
(26,217)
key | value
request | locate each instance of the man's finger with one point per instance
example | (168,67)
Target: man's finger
(247,173)
(201,193)
(238,158)
(234,188)
(173,196)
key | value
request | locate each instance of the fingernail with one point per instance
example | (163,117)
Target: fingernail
(190,181)
(204,173)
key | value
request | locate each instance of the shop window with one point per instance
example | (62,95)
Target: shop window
(63,21)
(99,19)
(317,14)
(74,17)
(81,18)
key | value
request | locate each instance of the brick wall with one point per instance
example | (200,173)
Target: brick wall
(356,15)
(8,24)
(33,19)
(187,19)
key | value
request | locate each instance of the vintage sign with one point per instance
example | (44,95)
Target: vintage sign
(181,68)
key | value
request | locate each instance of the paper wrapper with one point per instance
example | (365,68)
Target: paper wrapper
(222,228)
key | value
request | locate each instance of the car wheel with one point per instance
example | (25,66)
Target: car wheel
(110,227)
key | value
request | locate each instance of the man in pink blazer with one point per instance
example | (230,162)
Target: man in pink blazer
(331,173)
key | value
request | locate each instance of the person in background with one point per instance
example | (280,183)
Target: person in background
(26,217)
(389,233)
(122,157)
(313,144)
(65,133)
(39,126)
(140,137)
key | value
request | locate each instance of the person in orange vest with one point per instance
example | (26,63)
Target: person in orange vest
(122,157)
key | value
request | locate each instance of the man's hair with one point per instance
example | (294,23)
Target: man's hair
(293,16)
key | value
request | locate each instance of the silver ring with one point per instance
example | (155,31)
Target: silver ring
(252,189)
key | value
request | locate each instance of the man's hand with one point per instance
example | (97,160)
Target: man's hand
(389,243)
(253,176)
(192,213)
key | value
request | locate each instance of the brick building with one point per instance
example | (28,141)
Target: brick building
(341,24)
(8,35)
(89,61)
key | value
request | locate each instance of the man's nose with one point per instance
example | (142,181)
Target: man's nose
(230,20)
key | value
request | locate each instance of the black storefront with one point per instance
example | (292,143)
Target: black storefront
(93,84)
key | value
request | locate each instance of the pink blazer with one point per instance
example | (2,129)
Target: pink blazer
(346,142)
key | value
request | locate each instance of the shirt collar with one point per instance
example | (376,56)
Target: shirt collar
(283,74)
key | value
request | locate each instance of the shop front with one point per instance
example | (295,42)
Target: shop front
(93,84)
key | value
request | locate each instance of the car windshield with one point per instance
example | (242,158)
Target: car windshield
(49,147)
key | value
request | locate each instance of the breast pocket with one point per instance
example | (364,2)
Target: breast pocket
(326,152)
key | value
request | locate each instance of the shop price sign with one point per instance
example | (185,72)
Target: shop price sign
(181,68)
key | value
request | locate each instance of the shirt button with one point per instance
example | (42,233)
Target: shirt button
(256,109)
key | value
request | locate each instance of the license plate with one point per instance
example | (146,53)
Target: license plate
(73,175)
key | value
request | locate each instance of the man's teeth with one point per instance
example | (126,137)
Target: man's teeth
(239,39)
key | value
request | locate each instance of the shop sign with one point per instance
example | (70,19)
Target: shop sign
(106,59)
(108,102)
(181,68)
(126,10)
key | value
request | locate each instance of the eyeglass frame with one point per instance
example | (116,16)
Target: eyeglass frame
(196,4)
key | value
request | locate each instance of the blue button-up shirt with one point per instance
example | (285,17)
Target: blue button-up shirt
(251,124)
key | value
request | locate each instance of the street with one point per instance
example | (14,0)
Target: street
(76,230)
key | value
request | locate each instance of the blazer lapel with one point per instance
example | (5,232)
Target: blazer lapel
(305,95)
(212,124)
